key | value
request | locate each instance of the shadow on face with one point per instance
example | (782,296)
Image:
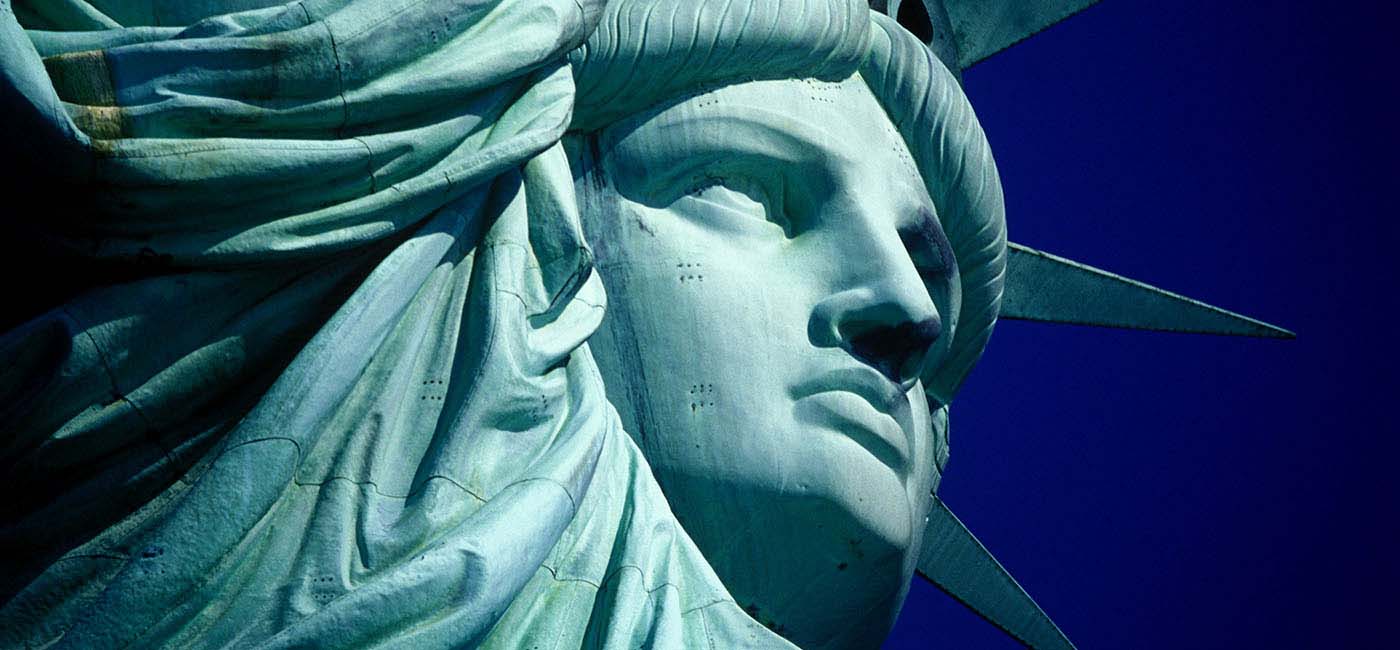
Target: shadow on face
(777,279)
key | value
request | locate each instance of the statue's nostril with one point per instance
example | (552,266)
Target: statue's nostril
(897,351)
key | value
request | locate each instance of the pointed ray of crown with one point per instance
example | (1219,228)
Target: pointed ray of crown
(965,32)
(984,27)
(1044,287)
(955,561)
(1040,286)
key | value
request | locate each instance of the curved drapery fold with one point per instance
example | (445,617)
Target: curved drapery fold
(344,400)
(299,130)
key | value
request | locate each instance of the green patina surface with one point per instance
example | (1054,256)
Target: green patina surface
(508,324)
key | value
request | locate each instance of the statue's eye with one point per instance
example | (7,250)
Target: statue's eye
(735,195)
(928,248)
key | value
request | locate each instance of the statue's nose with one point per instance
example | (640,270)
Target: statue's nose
(889,324)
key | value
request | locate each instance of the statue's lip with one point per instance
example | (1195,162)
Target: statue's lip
(879,420)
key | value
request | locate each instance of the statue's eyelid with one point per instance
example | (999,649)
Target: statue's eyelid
(927,246)
(773,207)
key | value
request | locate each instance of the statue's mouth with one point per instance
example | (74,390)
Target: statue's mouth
(863,405)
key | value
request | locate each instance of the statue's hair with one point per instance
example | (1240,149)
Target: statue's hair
(644,53)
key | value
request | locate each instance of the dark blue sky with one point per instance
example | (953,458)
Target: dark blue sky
(1176,491)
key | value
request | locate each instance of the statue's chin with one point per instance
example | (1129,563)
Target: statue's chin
(808,566)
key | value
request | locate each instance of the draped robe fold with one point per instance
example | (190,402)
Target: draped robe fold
(327,382)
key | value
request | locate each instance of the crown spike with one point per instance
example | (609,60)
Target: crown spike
(985,27)
(956,562)
(1044,287)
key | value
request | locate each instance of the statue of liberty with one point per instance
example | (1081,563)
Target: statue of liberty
(510,323)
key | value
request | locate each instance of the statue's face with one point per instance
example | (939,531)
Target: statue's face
(776,279)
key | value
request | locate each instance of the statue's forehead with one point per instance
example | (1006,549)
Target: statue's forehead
(819,91)
(804,122)
(839,108)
